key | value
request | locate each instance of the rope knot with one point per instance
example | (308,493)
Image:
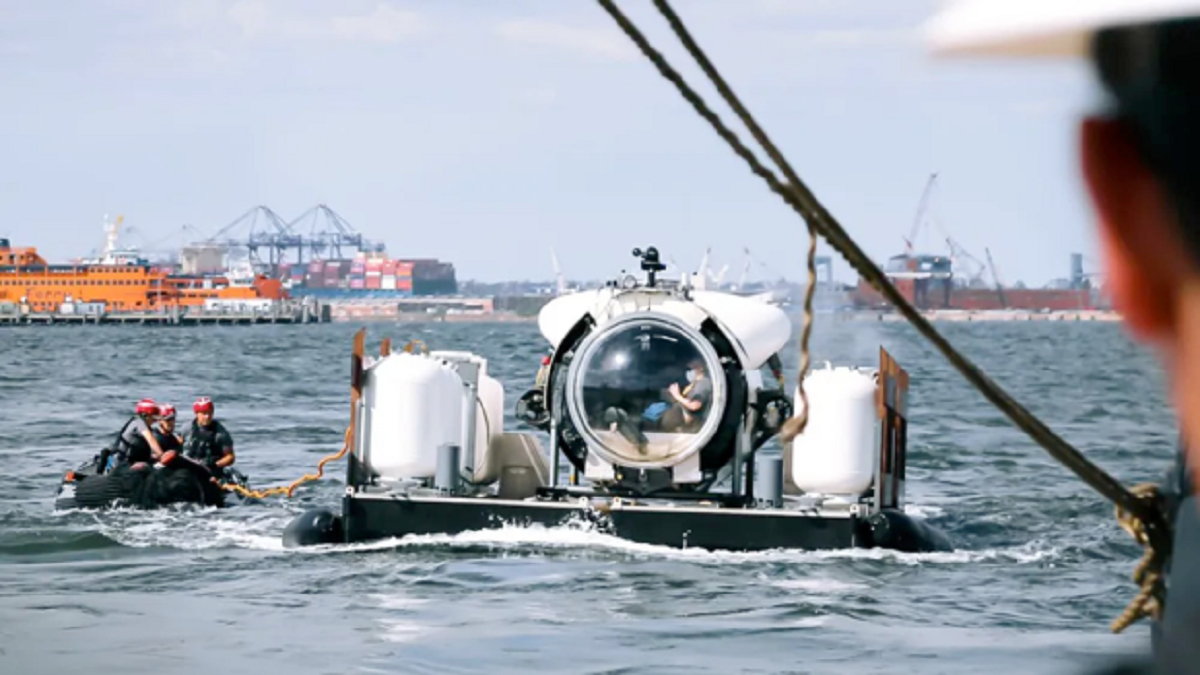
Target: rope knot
(1149,573)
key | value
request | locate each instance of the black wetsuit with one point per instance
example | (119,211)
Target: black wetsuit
(166,442)
(208,444)
(131,445)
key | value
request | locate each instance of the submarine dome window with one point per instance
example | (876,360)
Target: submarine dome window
(643,392)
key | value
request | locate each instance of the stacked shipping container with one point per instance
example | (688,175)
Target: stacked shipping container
(316,274)
(375,274)
(374,277)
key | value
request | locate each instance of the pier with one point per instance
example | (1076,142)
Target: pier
(956,315)
(285,313)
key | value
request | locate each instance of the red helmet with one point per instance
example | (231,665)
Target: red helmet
(166,411)
(203,404)
(146,407)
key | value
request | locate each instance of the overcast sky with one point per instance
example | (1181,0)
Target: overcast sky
(486,132)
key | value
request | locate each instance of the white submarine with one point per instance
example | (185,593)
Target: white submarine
(660,397)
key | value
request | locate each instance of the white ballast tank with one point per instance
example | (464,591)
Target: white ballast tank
(489,419)
(838,451)
(414,404)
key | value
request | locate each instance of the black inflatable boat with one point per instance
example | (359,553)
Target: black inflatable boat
(93,485)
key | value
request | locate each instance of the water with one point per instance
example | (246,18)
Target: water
(1040,570)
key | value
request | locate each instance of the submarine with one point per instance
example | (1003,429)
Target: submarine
(657,401)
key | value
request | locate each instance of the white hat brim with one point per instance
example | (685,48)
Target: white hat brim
(1039,28)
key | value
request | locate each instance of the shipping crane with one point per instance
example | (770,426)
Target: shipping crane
(920,217)
(996,278)
(261,229)
(328,233)
(960,255)
(560,282)
(266,230)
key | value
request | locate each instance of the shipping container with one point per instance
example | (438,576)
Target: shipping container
(316,266)
(374,282)
(434,270)
(357,283)
(434,286)
(388,283)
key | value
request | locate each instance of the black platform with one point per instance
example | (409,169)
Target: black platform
(370,517)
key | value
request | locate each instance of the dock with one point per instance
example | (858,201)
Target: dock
(285,313)
(956,315)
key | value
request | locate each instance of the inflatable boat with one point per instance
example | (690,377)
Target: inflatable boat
(181,481)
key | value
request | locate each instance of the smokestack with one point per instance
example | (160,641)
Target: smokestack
(1076,270)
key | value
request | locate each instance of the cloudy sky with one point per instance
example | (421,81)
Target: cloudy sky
(487,132)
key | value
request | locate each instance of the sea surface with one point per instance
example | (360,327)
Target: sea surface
(1040,567)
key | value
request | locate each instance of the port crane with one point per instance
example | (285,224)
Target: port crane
(328,232)
(922,207)
(996,278)
(560,282)
(261,230)
(266,230)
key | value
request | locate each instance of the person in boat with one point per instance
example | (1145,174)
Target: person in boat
(1139,165)
(687,406)
(136,443)
(164,430)
(682,410)
(207,441)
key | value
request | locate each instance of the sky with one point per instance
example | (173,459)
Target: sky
(488,133)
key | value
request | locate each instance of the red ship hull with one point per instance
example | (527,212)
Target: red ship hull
(932,294)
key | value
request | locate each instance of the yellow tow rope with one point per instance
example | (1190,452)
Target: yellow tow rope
(289,489)
(347,439)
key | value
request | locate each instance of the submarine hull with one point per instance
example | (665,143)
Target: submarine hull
(370,517)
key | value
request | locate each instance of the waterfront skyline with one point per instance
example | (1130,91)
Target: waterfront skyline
(485,135)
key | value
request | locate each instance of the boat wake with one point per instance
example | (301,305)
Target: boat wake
(192,528)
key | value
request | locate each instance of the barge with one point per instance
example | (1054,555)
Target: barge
(657,401)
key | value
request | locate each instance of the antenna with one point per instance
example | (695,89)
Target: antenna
(560,281)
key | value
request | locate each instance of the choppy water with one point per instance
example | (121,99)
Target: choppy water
(1040,571)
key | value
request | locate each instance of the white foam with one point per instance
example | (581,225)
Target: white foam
(583,538)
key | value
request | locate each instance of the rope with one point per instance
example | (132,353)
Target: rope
(289,489)
(1147,513)
(1148,574)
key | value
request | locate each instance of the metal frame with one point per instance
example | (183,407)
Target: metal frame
(891,398)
